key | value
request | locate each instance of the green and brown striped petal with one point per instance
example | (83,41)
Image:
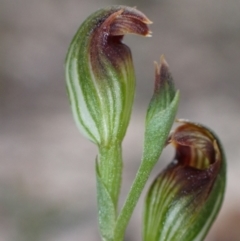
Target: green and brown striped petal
(185,198)
(100,74)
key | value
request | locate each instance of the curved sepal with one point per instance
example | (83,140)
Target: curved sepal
(185,198)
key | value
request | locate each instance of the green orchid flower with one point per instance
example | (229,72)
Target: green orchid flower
(185,198)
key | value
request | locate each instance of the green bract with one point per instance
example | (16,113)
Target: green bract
(185,198)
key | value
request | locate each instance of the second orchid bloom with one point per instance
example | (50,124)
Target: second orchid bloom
(185,198)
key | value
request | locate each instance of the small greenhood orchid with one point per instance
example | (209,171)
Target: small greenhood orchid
(100,74)
(177,201)
(184,199)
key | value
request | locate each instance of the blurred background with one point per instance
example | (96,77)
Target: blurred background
(47,179)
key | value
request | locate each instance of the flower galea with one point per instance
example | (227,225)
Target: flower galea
(100,74)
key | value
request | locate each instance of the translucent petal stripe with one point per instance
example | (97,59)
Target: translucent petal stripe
(210,219)
(78,102)
(163,191)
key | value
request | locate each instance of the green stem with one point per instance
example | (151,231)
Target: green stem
(132,199)
(110,169)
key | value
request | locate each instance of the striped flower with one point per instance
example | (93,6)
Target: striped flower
(100,74)
(185,198)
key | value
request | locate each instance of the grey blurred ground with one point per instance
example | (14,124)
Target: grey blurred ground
(47,183)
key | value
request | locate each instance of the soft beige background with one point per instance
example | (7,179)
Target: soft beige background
(47,182)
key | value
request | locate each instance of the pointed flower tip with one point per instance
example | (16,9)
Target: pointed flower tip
(147,21)
(163,61)
(163,77)
(159,67)
(149,34)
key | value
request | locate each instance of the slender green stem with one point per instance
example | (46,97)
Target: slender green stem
(132,199)
(110,169)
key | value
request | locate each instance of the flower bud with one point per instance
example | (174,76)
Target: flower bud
(161,112)
(100,74)
(185,198)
